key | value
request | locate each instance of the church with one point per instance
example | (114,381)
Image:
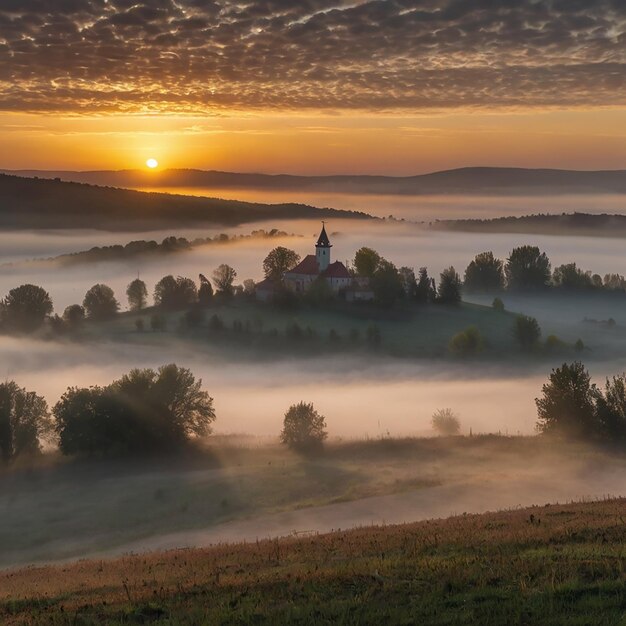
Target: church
(319,265)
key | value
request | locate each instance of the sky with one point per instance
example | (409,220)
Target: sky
(315,86)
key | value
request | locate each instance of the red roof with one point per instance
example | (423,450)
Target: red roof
(308,265)
(336,270)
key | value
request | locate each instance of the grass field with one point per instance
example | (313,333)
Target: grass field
(560,564)
(411,332)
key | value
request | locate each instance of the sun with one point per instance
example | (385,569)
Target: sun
(152,163)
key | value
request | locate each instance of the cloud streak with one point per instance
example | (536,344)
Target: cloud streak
(203,56)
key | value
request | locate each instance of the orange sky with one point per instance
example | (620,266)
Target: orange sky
(363,86)
(347,143)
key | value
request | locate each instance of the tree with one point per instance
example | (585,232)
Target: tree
(614,282)
(175,293)
(366,262)
(446,423)
(25,308)
(567,404)
(386,283)
(74,316)
(100,302)
(304,429)
(425,291)
(249,287)
(449,287)
(205,293)
(279,261)
(527,331)
(143,411)
(223,277)
(568,276)
(527,268)
(484,273)
(467,343)
(409,282)
(24,421)
(137,294)
(611,409)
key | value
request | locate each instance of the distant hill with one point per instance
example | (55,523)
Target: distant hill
(42,203)
(470,180)
(578,224)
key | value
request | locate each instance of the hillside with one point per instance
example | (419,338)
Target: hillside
(42,203)
(572,224)
(469,180)
(551,565)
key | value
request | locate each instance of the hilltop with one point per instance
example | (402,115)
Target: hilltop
(467,180)
(573,224)
(43,203)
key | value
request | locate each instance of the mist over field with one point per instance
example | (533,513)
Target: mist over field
(403,243)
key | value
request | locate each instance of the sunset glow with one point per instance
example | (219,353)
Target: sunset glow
(296,87)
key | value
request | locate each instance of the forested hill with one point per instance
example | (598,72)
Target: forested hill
(578,224)
(42,203)
(467,180)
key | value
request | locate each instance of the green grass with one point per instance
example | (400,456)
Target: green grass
(414,331)
(554,565)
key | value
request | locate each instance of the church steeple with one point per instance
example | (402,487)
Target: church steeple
(322,249)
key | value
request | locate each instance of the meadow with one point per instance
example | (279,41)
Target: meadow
(244,488)
(552,564)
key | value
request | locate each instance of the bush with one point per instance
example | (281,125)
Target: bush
(158,322)
(144,411)
(304,429)
(467,343)
(526,331)
(498,305)
(216,324)
(446,423)
(553,343)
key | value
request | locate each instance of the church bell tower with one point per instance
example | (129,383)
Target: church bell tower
(322,250)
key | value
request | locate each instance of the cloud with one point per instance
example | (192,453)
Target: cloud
(202,56)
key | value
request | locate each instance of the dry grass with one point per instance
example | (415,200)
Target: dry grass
(553,565)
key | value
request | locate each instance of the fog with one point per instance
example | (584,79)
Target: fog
(363,398)
(404,244)
(421,208)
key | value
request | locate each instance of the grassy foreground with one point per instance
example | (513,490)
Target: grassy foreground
(562,564)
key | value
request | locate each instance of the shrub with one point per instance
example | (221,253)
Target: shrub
(304,429)
(446,423)
(498,305)
(158,322)
(216,324)
(467,343)
(553,343)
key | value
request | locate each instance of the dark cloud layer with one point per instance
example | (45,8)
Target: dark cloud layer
(206,55)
